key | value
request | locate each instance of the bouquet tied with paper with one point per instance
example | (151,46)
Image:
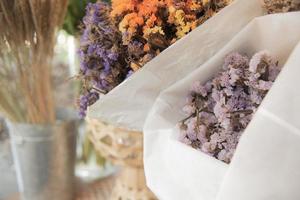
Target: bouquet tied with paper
(175,170)
(117,118)
(121,38)
(127,104)
(273,170)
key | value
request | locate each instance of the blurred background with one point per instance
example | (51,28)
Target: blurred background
(90,166)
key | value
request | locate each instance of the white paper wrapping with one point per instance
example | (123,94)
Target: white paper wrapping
(267,162)
(128,104)
(175,171)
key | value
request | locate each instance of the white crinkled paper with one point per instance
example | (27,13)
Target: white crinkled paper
(175,171)
(128,104)
(267,162)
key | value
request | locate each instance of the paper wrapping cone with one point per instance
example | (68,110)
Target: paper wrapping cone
(175,171)
(267,162)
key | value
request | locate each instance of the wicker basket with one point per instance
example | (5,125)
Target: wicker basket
(123,148)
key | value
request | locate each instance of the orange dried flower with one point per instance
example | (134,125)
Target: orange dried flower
(134,66)
(148,7)
(119,7)
(151,21)
(130,23)
(146,47)
(193,5)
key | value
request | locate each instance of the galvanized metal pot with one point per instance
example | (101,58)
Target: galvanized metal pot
(44,157)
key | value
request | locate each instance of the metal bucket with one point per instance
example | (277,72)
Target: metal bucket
(44,158)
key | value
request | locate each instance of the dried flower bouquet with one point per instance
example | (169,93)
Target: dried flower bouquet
(278,6)
(219,110)
(119,39)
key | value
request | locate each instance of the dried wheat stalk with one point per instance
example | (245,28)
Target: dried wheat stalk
(27,37)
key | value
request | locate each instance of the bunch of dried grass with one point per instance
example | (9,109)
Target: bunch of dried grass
(27,37)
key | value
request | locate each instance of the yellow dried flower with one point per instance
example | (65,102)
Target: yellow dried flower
(172,9)
(156,29)
(205,2)
(195,5)
(179,17)
(134,66)
(184,29)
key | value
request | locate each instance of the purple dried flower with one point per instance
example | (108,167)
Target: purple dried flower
(189,109)
(260,61)
(135,49)
(186,141)
(129,73)
(86,100)
(102,59)
(221,109)
(197,87)
(235,60)
(201,135)
(264,85)
(191,129)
